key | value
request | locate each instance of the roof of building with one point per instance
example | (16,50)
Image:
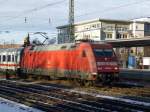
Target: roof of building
(143,19)
(138,20)
(134,42)
(96,20)
(10,45)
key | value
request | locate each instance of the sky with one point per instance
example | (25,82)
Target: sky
(46,15)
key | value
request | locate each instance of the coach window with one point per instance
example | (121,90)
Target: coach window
(13,59)
(16,57)
(4,58)
(9,58)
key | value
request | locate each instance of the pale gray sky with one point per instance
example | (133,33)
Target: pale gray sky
(38,12)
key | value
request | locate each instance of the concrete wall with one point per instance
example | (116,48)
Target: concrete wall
(137,30)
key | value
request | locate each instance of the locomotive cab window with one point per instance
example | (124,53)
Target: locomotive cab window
(108,52)
(103,52)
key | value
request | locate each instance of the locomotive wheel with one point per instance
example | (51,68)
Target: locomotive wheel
(87,83)
(106,79)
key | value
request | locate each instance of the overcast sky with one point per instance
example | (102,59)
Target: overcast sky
(45,15)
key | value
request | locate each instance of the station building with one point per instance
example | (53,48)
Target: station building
(110,30)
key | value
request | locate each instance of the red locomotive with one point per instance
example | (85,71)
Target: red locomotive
(83,61)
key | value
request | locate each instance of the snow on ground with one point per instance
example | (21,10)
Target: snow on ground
(104,96)
(10,106)
(115,98)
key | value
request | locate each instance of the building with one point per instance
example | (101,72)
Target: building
(10,45)
(107,30)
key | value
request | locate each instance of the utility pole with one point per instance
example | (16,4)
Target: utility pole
(71,21)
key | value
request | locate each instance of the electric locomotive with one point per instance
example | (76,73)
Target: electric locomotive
(85,61)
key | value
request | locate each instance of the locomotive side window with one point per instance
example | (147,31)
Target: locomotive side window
(73,47)
(4,58)
(63,47)
(83,54)
(9,58)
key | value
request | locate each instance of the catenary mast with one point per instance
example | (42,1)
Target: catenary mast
(71,21)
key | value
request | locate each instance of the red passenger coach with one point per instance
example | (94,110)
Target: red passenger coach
(84,61)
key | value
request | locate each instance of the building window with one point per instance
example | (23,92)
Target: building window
(109,36)
(136,27)
(119,36)
(125,36)
(94,26)
(147,27)
(86,36)
(98,25)
(95,37)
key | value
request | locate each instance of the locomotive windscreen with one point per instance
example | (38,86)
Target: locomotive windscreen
(103,52)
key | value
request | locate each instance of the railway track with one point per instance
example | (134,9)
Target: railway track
(55,99)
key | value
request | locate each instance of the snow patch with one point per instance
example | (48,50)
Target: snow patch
(10,106)
(115,98)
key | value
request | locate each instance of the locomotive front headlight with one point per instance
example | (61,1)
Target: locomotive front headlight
(116,68)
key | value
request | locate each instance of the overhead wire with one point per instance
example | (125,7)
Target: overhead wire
(109,9)
(114,8)
(90,13)
(3,1)
(34,9)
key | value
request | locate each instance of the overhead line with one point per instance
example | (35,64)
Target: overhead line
(36,9)
(3,1)
(109,9)
(113,8)
(103,11)
(45,6)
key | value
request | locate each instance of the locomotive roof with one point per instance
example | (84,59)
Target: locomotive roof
(66,46)
(54,47)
